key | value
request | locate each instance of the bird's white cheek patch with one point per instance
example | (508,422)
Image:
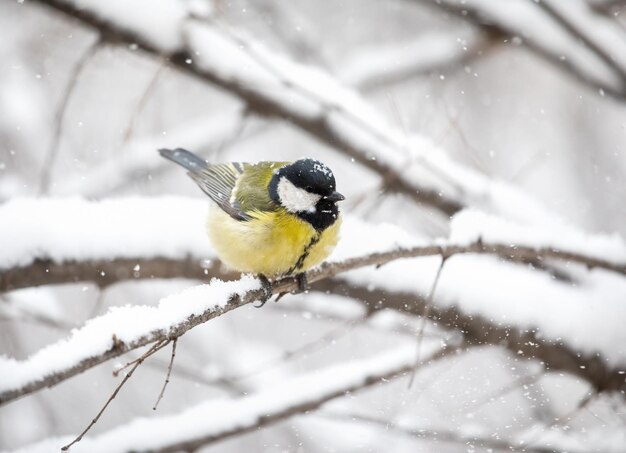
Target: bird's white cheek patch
(295,199)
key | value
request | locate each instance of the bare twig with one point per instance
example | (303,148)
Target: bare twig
(479,330)
(581,36)
(307,404)
(53,148)
(137,362)
(143,100)
(326,270)
(473,13)
(167,377)
(429,302)
(258,101)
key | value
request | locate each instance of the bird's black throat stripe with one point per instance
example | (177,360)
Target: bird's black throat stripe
(314,240)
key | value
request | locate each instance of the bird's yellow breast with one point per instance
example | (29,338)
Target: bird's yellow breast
(271,243)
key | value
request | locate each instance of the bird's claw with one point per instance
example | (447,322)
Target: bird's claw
(303,282)
(266,285)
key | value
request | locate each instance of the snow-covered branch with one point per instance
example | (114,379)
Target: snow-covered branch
(164,237)
(106,337)
(529,343)
(215,420)
(152,234)
(274,86)
(569,34)
(380,66)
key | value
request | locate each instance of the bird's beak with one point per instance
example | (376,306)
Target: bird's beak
(335,196)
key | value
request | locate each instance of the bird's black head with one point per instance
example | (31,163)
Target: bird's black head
(306,188)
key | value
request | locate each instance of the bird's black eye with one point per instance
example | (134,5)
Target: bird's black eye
(309,188)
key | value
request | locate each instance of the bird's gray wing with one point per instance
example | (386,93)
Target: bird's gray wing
(218,182)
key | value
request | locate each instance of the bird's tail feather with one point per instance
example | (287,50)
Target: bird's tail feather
(184,158)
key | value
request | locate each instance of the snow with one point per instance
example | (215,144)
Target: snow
(306,93)
(169,227)
(160,23)
(315,304)
(470,225)
(382,62)
(219,416)
(506,293)
(527,20)
(32,304)
(139,157)
(223,55)
(127,324)
(605,33)
(602,439)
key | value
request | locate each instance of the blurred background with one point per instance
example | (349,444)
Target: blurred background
(530,94)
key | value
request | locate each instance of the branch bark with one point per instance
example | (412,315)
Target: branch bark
(263,104)
(483,331)
(479,330)
(107,272)
(481,17)
(305,405)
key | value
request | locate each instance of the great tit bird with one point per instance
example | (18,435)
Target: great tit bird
(269,218)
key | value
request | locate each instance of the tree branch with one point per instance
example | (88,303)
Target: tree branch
(542,44)
(478,330)
(264,104)
(304,404)
(107,272)
(484,331)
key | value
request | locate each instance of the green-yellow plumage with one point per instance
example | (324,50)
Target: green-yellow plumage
(269,244)
(270,218)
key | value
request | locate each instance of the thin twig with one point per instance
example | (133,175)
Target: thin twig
(281,412)
(582,37)
(289,284)
(167,377)
(143,100)
(53,148)
(117,371)
(138,362)
(429,301)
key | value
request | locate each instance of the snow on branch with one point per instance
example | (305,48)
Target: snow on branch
(137,158)
(575,352)
(380,65)
(133,227)
(215,420)
(141,228)
(272,85)
(569,34)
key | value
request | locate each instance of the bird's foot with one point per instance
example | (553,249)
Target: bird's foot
(266,285)
(303,282)
(303,286)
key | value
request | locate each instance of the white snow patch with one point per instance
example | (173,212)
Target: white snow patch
(75,229)
(470,225)
(126,323)
(223,415)
(158,22)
